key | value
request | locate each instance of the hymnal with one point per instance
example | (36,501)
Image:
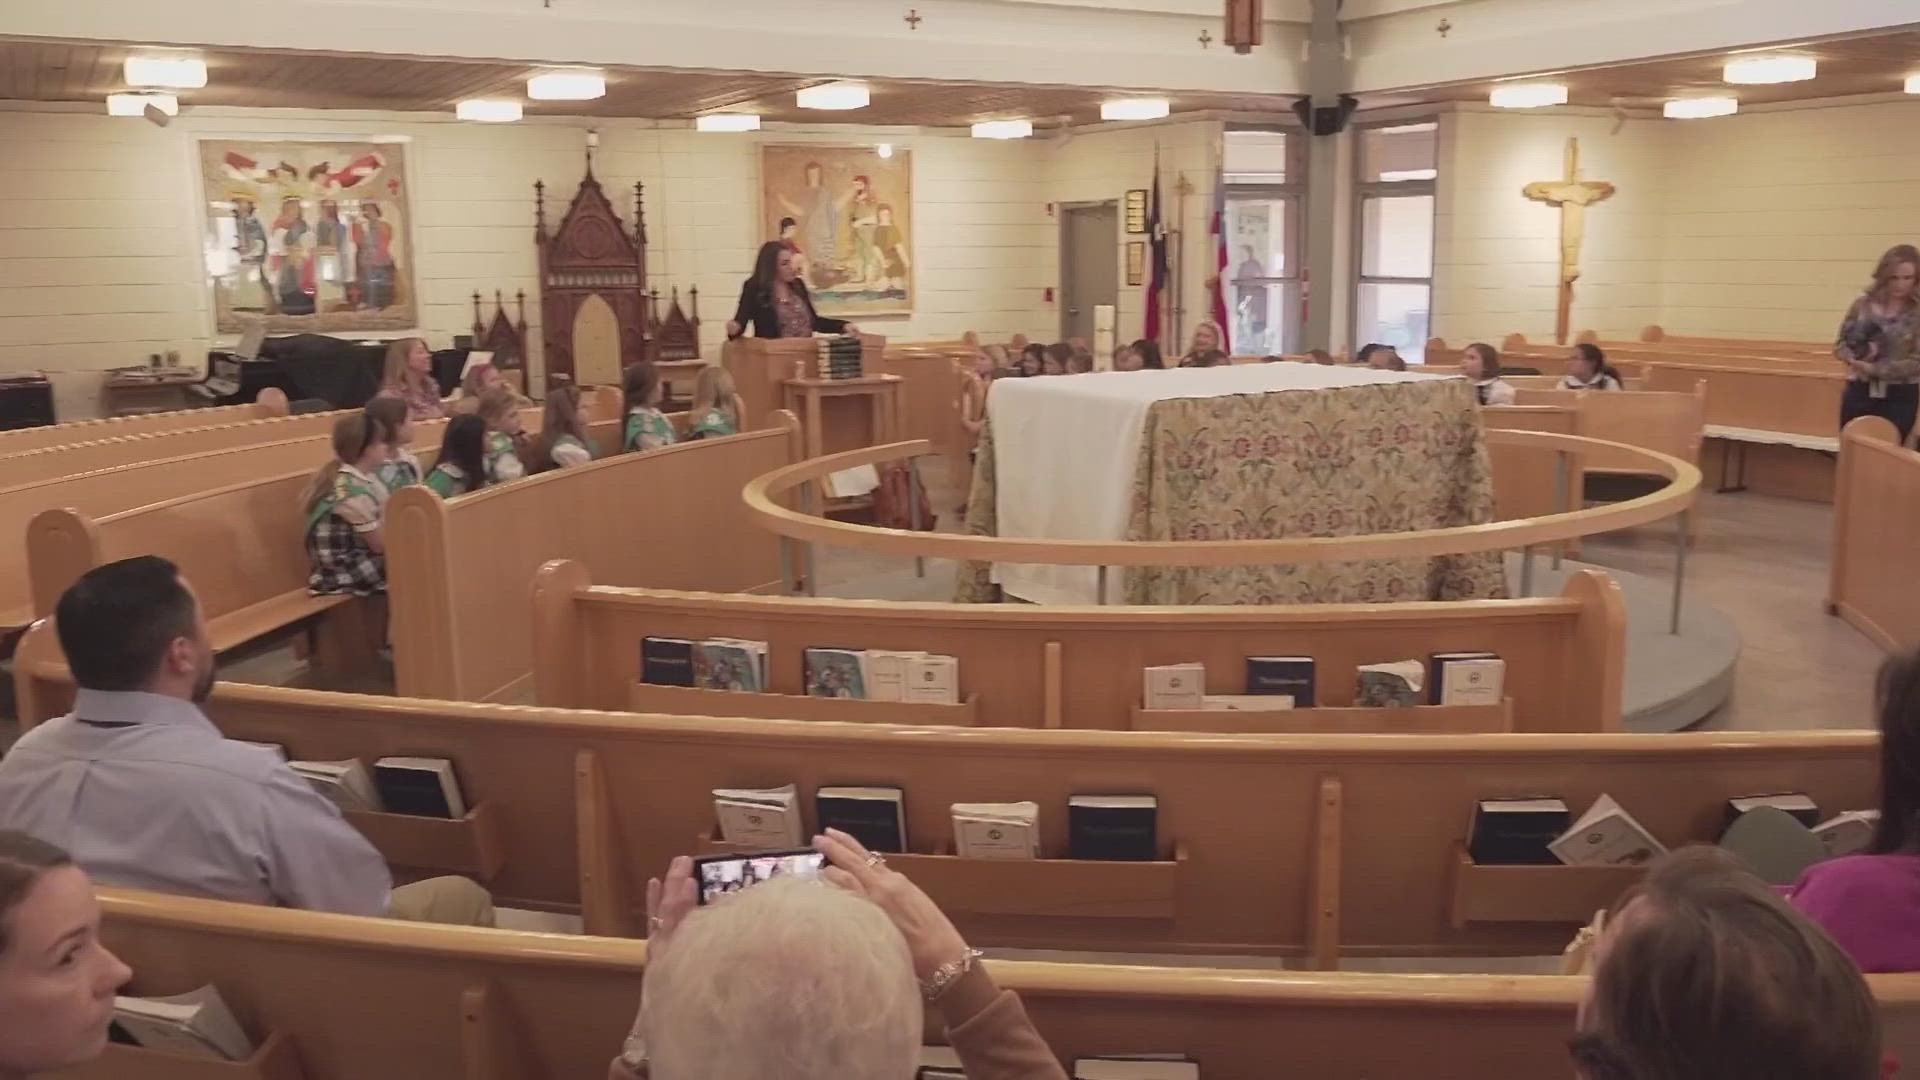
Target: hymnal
(346,783)
(1135,1068)
(996,830)
(1848,833)
(875,816)
(1465,678)
(1291,676)
(426,787)
(197,1023)
(886,674)
(933,680)
(1516,832)
(666,661)
(1606,835)
(939,1063)
(1247,702)
(1113,828)
(835,673)
(730,664)
(1397,684)
(1793,802)
(1175,686)
(761,818)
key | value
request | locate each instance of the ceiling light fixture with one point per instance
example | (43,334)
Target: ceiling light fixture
(136,104)
(176,72)
(1003,129)
(1527,95)
(1761,70)
(488,110)
(1135,109)
(835,96)
(1700,108)
(1913,84)
(577,84)
(733,122)
(885,150)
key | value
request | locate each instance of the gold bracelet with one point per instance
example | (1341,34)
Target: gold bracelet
(947,974)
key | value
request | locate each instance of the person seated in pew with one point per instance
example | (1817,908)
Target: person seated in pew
(1380,357)
(57,979)
(716,406)
(344,502)
(1879,341)
(1207,348)
(392,428)
(1080,363)
(479,379)
(506,440)
(1128,358)
(1587,369)
(1321,357)
(733,990)
(1150,358)
(564,441)
(1481,363)
(973,395)
(1033,361)
(1870,902)
(1054,359)
(647,428)
(140,786)
(462,466)
(408,375)
(1703,973)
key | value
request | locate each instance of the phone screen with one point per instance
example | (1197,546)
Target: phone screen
(718,875)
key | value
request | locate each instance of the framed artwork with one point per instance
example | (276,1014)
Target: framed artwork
(308,236)
(1137,211)
(848,214)
(1136,262)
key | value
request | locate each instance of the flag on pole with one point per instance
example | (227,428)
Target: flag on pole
(1157,256)
(1219,231)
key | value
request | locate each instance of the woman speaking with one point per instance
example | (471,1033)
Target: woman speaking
(774,301)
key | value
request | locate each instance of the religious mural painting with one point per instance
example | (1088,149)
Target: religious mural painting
(847,213)
(308,236)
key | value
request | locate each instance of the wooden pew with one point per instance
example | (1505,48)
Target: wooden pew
(1080,667)
(1527,483)
(1669,422)
(271,403)
(1876,512)
(1310,845)
(460,572)
(72,459)
(932,371)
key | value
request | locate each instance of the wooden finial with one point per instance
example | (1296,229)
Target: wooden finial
(693,292)
(540,209)
(639,213)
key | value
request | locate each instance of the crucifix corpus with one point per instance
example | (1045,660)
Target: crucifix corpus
(1572,195)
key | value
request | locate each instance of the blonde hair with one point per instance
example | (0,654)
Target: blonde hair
(713,390)
(496,404)
(394,375)
(473,383)
(561,417)
(1897,256)
(351,437)
(790,978)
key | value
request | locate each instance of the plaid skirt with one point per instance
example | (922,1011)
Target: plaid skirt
(341,561)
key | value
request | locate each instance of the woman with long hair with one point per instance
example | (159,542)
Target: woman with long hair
(1587,369)
(391,426)
(1032,362)
(1150,358)
(1208,347)
(1481,363)
(716,407)
(345,548)
(563,442)
(463,457)
(774,302)
(647,428)
(408,375)
(1879,341)
(57,979)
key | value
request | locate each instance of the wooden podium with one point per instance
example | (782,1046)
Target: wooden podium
(835,414)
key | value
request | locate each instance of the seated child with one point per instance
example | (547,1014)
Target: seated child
(463,457)
(504,436)
(388,415)
(647,427)
(345,548)
(716,407)
(1481,363)
(563,433)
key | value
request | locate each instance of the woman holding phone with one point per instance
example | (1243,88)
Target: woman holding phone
(874,932)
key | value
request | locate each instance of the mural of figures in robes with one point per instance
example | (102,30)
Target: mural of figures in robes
(333,257)
(847,213)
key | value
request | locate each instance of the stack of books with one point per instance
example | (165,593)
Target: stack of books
(421,787)
(838,358)
(883,675)
(709,664)
(1273,682)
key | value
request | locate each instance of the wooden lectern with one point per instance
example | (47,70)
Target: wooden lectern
(835,414)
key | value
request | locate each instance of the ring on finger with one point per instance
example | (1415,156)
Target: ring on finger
(876,860)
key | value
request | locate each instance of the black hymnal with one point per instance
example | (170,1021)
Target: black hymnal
(1113,828)
(1516,832)
(1290,675)
(875,816)
(666,661)
(1795,803)
(424,787)
(1437,670)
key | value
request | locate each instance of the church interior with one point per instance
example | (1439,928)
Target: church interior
(1515,505)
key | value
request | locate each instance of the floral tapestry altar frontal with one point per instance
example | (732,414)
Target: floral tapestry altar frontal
(847,213)
(308,236)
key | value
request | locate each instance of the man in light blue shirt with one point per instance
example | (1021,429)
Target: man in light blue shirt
(144,791)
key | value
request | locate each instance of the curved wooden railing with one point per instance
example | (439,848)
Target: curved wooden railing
(764,495)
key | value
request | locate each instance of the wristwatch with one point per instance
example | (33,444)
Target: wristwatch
(947,974)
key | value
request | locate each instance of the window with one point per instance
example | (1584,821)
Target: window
(1264,193)
(1393,298)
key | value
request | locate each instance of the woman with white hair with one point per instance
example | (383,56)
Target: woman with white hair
(809,982)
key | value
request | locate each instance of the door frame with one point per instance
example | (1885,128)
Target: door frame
(1064,211)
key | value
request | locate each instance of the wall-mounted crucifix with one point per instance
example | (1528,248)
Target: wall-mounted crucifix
(1572,195)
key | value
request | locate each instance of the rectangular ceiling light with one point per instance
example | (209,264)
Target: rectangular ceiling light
(1760,70)
(488,111)
(727,122)
(175,72)
(1700,108)
(574,85)
(1527,95)
(1135,109)
(136,104)
(835,96)
(1003,129)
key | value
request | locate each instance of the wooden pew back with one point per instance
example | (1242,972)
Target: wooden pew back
(1876,512)
(1528,483)
(931,393)
(271,403)
(72,459)
(1761,399)
(1669,422)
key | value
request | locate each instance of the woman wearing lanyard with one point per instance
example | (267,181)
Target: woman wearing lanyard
(1877,343)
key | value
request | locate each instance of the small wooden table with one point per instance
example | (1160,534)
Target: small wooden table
(134,393)
(804,397)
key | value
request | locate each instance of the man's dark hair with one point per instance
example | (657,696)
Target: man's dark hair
(116,622)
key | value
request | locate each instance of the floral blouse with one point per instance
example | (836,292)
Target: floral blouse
(1898,360)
